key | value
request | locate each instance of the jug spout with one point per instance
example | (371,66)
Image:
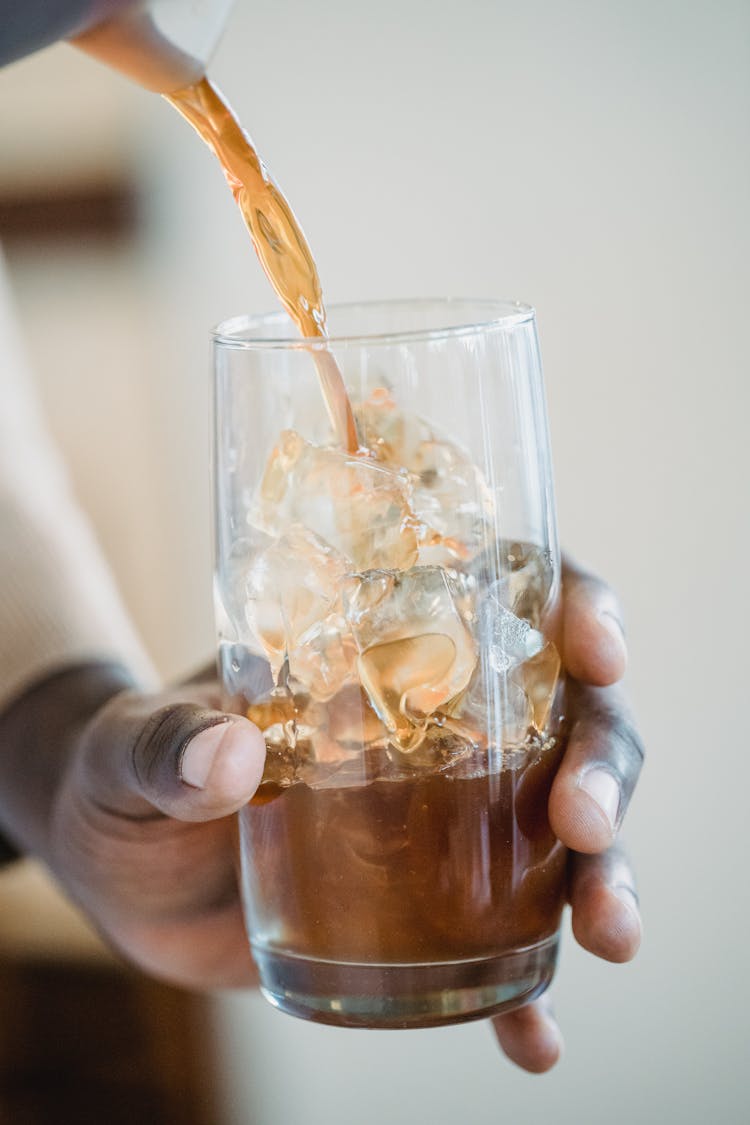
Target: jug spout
(162,44)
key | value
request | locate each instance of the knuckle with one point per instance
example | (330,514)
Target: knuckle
(599,595)
(606,731)
(609,871)
(625,888)
(599,718)
(617,869)
(631,743)
(612,724)
(600,588)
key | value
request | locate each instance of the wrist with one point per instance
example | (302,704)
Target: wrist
(39,732)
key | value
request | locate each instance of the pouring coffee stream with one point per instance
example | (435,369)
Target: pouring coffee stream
(164,46)
(277,237)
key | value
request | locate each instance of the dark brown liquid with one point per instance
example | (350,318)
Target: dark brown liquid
(277,236)
(426,869)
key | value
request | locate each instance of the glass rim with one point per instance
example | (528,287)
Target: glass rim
(507,313)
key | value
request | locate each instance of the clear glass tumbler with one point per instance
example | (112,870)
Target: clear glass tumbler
(388,618)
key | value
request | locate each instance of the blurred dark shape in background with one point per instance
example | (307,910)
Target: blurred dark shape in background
(89,211)
(85,1043)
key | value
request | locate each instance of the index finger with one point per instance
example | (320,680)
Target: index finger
(593,637)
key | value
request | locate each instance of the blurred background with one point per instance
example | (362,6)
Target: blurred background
(590,157)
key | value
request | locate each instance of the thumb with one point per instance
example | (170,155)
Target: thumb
(144,756)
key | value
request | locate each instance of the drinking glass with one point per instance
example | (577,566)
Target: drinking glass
(388,617)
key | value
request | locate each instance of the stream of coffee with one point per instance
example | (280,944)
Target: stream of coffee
(277,237)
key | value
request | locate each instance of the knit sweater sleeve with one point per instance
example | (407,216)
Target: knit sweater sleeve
(58,601)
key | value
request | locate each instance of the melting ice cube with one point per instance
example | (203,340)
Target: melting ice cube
(538,677)
(521,576)
(356,505)
(495,712)
(323,658)
(450,497)
(514,685)
(509,640)
(292,586)
(415,653)
(352,721)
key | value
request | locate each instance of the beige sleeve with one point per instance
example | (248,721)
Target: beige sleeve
(58,600)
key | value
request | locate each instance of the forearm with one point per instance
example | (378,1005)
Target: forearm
(38,733)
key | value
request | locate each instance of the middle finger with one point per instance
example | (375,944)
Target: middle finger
(599,770)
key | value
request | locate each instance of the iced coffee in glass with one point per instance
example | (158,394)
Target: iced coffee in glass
(387,587)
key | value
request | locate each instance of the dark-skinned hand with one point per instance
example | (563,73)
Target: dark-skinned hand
(129,799)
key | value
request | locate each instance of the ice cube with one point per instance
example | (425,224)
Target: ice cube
(415,653)
(501,707)
(352,721)
(495,712)
(509,640)
(271,711)
(521,575)
(323,658)
(538,677)
(514,685)
(391,434)
(278,718)
(450,497)
(356,505)
(292,587)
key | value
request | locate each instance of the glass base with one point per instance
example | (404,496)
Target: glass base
(407,995)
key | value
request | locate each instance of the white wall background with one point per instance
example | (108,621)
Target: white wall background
(591,157)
